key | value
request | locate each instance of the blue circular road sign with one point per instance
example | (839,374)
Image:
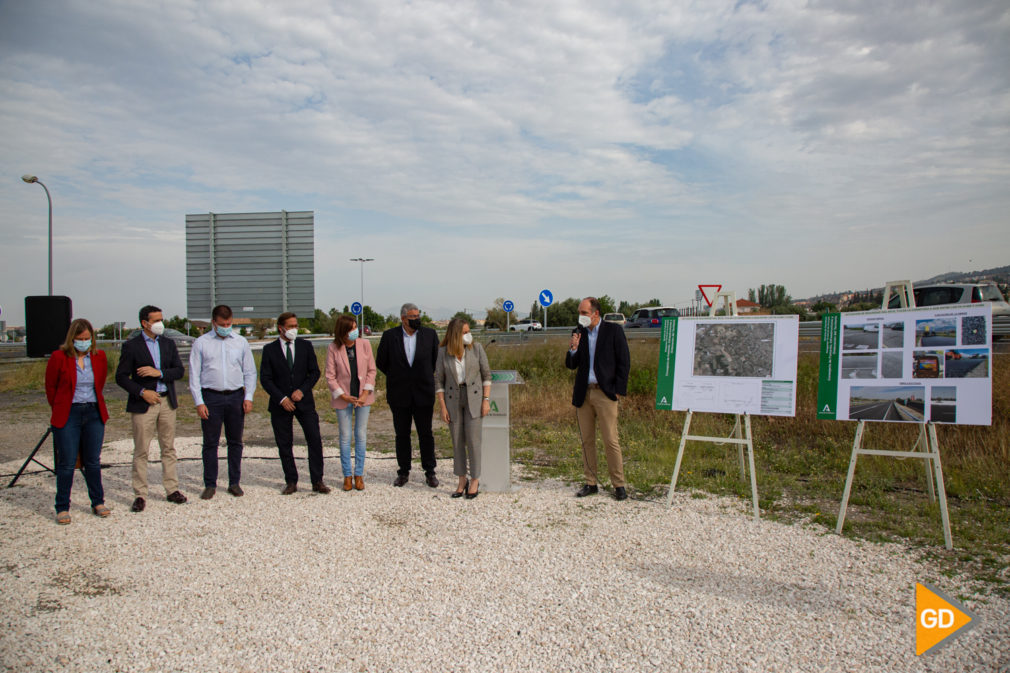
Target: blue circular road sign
(508,306)
(546,298)
(356,308)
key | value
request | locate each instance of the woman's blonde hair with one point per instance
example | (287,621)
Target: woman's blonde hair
(453,340)
(78,327)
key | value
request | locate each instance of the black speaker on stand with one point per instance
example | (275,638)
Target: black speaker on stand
(47,319)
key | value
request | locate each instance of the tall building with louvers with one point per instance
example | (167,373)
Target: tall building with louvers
(259,264)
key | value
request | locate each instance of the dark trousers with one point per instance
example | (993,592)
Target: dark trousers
(421,417)
(223,409)
(83,433)
(309,420)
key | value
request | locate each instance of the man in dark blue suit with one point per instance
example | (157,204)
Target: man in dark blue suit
(149,366)
(288,373)
(407,356)
(598,352)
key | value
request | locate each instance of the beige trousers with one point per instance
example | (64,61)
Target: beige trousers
(599,408)
(159,418)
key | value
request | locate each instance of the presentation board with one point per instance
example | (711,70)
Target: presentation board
(732,364)
(911,365)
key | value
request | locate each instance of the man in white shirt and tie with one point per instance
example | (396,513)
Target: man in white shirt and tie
(222,380)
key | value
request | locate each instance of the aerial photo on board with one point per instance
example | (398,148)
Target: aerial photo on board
(887,403)
(745,350)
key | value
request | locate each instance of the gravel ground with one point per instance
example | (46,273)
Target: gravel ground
(410,580)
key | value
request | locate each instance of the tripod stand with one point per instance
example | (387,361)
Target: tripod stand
(31,458)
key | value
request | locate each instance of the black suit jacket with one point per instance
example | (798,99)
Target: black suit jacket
(134,355)
(280,381)
(406,385)
(611,362)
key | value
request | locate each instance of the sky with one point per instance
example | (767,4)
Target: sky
(489,149)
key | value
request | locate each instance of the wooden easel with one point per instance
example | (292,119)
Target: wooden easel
(926,447)
(740,435)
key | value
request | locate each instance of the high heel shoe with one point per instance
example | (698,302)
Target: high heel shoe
(460,494)
(471,496)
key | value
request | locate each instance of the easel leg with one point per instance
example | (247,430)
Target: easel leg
(935,451)
(753,474)
(856,445)
(31,458)
(680,455)
(922,444)
(738,434)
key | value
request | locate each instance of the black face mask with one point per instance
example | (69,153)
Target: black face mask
(414,323)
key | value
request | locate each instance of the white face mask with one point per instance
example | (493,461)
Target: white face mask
(157,328)
(291,334)
(585,321)
(467,339)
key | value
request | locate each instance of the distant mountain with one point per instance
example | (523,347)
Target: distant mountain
(1000,274)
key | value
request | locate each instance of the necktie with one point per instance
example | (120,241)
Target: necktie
(291,358)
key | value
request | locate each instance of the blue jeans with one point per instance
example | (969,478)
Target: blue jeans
(360,437)
(83,433)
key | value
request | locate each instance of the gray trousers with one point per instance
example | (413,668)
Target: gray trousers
(466,435)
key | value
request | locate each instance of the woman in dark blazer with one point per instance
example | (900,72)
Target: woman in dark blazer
(75,376)
(463,388)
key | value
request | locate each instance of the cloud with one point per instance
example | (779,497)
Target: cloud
(642,146)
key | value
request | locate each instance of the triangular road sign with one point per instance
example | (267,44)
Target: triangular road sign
(937,618)
(704,294)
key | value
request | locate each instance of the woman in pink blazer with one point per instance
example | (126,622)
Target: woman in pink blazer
(350,374)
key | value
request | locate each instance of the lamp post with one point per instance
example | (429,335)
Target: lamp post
(30,179)
(362,260)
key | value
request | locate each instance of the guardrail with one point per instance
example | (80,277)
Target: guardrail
(811,329)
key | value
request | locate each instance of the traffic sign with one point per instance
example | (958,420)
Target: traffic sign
(508,306)
(546,298)
(705,294)
(356,308)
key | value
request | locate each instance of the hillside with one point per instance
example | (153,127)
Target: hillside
(1000,275)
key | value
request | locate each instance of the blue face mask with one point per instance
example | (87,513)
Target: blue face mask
(82,346)
(352,335)
(222,331)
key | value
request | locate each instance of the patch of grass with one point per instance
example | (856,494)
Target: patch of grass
(801,462)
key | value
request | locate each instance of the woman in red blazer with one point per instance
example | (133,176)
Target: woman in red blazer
(352,391)
(75,377)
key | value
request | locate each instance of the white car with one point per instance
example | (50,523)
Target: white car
(526,325)
(943,294)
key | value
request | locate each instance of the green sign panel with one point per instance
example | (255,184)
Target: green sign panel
(667,359)
(831,347)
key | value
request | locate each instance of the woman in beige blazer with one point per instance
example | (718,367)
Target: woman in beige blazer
(463,388)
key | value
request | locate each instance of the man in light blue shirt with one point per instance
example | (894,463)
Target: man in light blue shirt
(222,379)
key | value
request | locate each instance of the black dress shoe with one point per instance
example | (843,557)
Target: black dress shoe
(587,489)
(620,493)
(236,490)
(138,505)
(471,496)
(177,497)
(289,488)
(460,494)
(400,480)
(208,493)
(320,487)
(431,480)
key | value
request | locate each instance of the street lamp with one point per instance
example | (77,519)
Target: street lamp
(30,179)
(362,260)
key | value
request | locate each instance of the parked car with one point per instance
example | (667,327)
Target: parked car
(943,294)
(526,325)
(616,318)
(651,316)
